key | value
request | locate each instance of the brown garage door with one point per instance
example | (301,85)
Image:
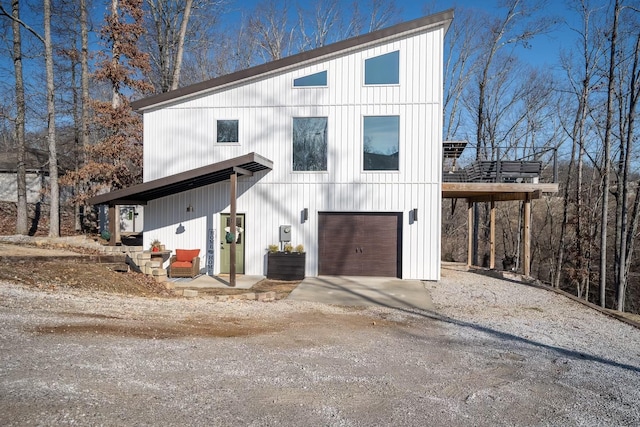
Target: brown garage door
(360,244)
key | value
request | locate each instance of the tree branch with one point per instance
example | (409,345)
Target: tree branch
(3,12)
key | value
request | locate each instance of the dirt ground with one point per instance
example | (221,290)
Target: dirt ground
(493,353)
(56,265)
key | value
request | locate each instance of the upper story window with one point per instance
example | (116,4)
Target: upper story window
(310,144)
(381,143)
(227,131)
(383,69)
(317,79)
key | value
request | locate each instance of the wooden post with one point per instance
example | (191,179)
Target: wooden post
(527,236)
(232,230)
(112,224)
(470,235)
(492,236)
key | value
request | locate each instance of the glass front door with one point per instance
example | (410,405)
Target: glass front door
(226,238)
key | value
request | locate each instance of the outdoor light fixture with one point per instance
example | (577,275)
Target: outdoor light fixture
(189,208)
(415,214)
(305,214)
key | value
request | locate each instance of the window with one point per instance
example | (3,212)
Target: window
(227,131)
(317,79)
(381,143)
(383,69)
(309,143)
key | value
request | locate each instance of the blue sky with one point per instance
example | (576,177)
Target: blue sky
(543,52)
(544,49)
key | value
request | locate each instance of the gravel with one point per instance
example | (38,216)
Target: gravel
(494,352)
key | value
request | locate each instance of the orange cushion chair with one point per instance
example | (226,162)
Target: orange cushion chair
(185,263)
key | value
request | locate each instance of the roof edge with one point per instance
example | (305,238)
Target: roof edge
(438,19)
(132,193)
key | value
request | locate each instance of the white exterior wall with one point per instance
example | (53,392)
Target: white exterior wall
(182,136)
(9,187)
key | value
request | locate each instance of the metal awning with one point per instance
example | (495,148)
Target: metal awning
(142,193)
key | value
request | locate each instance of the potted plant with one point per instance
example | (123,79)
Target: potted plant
(288,264)
(155,245)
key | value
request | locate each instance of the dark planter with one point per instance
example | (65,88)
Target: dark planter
(285,266)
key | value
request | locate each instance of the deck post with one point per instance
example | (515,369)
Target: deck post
(527,236)
(112,224)
(470,234)
(492,236)
(232,230)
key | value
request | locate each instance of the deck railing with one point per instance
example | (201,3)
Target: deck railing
(505,171)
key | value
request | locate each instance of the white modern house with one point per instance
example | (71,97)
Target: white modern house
(338,149)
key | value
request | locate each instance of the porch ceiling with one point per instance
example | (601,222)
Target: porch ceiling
(140,194)
(489,191)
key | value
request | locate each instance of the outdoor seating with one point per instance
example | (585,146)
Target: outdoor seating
(185,263)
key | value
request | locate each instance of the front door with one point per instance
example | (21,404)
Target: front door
(225,243)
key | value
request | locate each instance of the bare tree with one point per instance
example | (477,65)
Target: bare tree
(22,217)
(605,170)
(169,20)
(582,78)
(272,30)
(626,221)
(54,219)
(54,188)
(316,25)
(459,68)
(84,81)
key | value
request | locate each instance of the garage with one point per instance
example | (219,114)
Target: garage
(360,244)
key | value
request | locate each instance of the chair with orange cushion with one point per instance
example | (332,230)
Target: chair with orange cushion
(185,263)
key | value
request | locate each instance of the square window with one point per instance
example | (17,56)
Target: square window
(383,69)
(381,141)
(309,143)
(227,131)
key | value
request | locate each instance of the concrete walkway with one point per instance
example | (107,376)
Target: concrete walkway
(364,291)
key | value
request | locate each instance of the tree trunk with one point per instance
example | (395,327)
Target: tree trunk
(115,55)
(627,231)
(22,214)
(77,132)
(565,219)
(177,63)
(84,77)
(54,214)
(607,156)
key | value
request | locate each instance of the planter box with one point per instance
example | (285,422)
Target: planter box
(284,266)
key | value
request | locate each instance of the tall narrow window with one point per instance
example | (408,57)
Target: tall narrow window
(317,79)
(309,143)
(227,131)
(383,69)
(381,143)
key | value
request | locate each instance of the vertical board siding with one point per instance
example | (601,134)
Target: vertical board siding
(182,137)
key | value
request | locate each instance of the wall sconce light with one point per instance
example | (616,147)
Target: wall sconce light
(415,214)
(189,208)
(305,214)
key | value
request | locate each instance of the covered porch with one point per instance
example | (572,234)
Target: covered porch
(228,170)
(492,193)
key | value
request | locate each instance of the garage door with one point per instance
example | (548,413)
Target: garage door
(360,244)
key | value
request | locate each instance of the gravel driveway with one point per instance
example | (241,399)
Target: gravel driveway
(493,353)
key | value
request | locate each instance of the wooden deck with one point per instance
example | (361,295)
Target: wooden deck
(475,192)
